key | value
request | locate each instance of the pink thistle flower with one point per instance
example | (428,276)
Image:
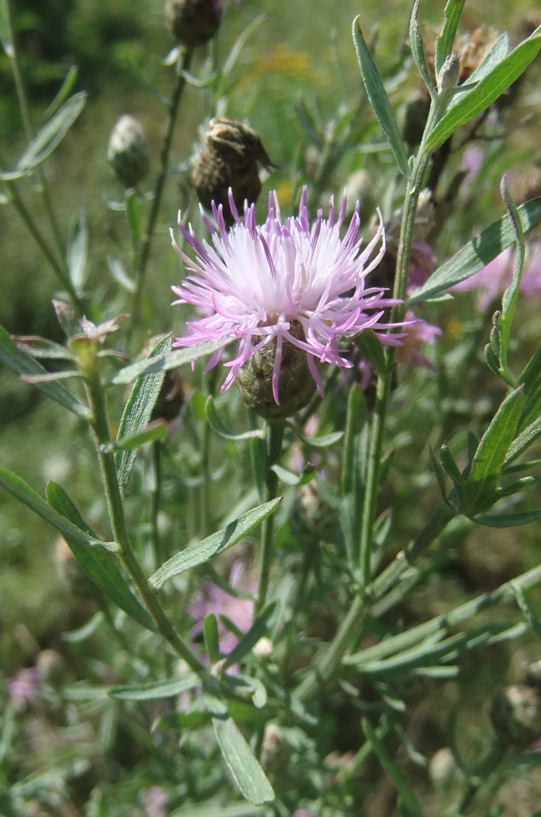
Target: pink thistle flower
(495,277)
(23,688)
(257,282)
(155,801)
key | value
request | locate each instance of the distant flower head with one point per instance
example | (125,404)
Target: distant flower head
(23,687)
(155,801)
(491,281)
(416,332)
(286,283)
(212,599)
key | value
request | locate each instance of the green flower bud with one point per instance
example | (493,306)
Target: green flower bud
(128,151)
(296,386)
(193,22)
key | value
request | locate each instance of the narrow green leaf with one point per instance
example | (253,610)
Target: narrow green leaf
(497,52)
(219,428)
(492,450)
(290,478)
(138,410)
(450,467)
(216,543)
(5,29)
(53,132)
(245,769)
(506,520)
(446,39)
(531,374)
(417,50)
(152,433)
(78,251)
(486,91)
(257,630)
(371,347)
(156,690)
(216,809)
(164,362)
(51,377)
(236,51)
(211,638)
(86,631)
(532,619)
(406,793)
(25,494)
(64,92)
(316,442)
(523,441)
(379,99)
(477,253)
(120,275)
(97,565)
(23,364)
(42,348)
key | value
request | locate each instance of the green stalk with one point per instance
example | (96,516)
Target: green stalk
(59,271)
(27,124)
(275,434)
(100,428)
(183,64)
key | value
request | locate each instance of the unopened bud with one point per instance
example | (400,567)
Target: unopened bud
(128,151)
(448,76)
(516,715)
(442,768)
(274,750)
(263,648)
(296,386)
(193,22)
(229,159)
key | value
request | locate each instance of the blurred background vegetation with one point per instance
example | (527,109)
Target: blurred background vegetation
(301,52)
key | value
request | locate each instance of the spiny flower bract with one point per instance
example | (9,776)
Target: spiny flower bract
(257,283)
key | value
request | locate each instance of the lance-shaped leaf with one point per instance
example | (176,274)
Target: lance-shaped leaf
(23,364)
(446,39)
(477,253)
(95,563)
(417,50)
(156,690)
(78,251)
(151,434)
(25,494)
(523,441)
(290,478)
(257,630)
(219,428)
(164,362)
(490,455)
(213,545)
(379,99)
(138,410)
(507,520)
(64,92)
(316,442)
(405,792)
(245,769)
(35,346)
(497,52)
(52,134)
(486,91)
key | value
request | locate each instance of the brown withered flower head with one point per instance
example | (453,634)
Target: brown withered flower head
(193,22)
(230,158)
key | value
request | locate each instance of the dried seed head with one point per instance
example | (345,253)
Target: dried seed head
(128,151)
(516,715)
(193,22)
(296,386)
(230,158)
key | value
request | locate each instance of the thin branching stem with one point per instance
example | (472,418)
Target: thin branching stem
(275,434)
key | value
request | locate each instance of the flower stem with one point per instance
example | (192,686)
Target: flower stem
(274,437)
(183,64)
(100,428)
(59,271)
(383,391)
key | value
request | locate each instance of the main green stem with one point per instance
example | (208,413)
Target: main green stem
(383,391)
(182,65)
(100,428)
(275,435)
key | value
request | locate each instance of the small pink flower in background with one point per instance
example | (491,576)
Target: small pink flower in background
(416,332)
(212,599)
(23,688)
(422,265)
(303,812)
(155,802)
(255,281)
(471,162)
(491,281)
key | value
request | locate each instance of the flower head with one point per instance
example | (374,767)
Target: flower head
(286,284)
